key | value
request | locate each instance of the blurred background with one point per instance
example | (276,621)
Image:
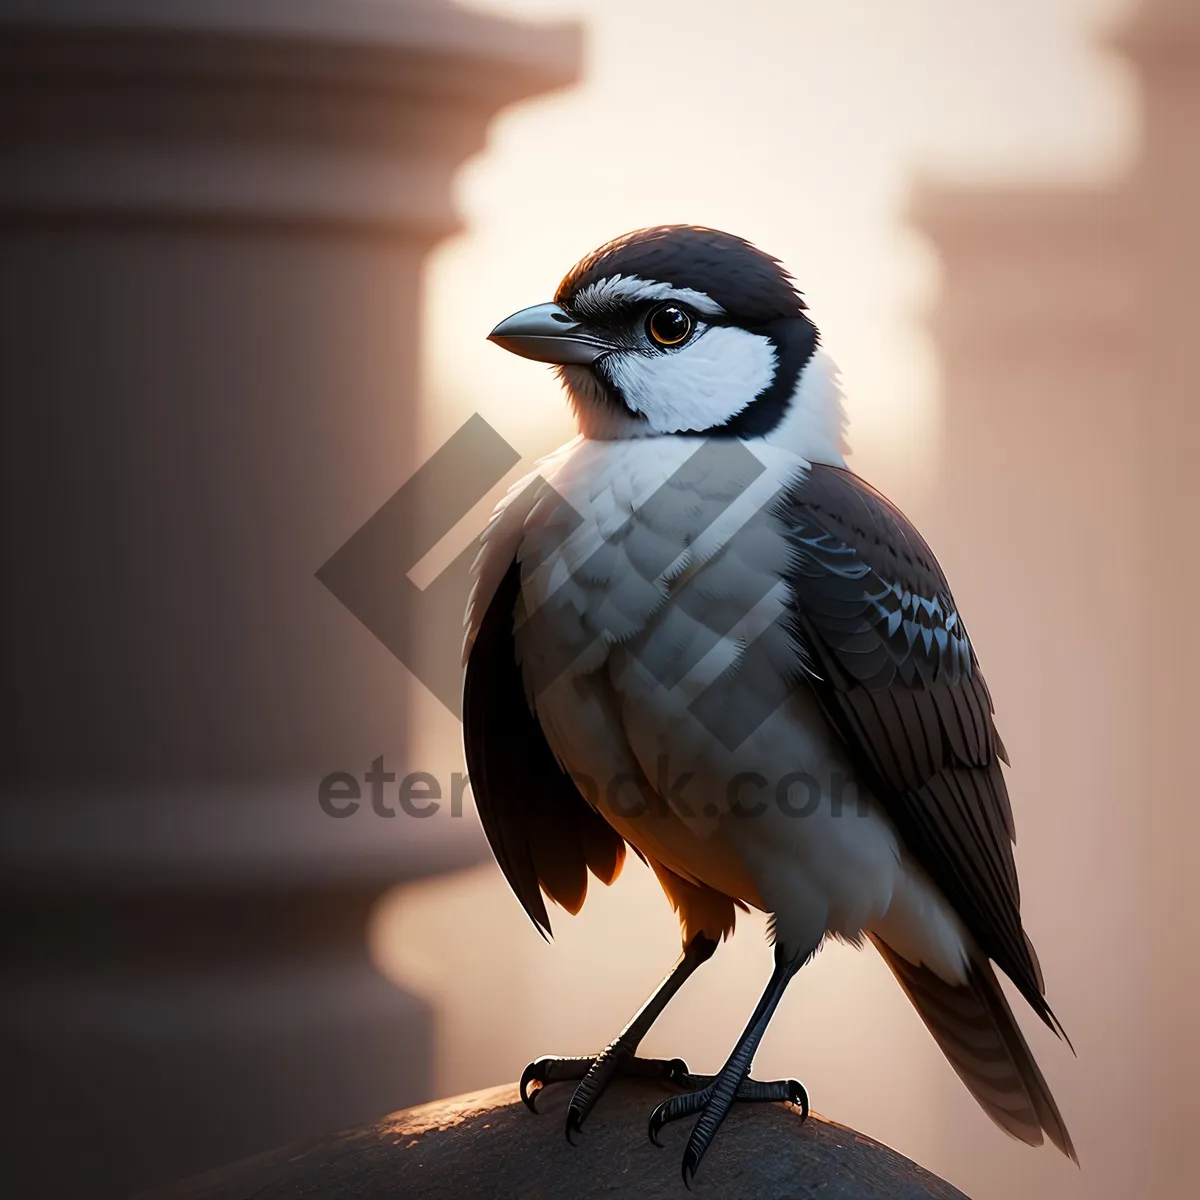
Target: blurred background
(250,251)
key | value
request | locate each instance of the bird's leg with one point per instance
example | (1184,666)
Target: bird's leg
(714,1100)
(595,1074)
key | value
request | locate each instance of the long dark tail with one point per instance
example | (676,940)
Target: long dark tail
(977,1032)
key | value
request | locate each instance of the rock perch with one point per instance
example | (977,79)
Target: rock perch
(486,1144)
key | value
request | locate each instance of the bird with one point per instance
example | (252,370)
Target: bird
(696,633)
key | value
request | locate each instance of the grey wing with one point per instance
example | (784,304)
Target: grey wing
(544,835)
(897,676)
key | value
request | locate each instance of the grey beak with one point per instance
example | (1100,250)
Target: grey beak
(547,333)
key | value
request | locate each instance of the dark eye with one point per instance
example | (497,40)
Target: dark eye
(668,325)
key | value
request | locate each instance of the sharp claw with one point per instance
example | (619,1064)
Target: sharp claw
(574,1123)
(799,1096)
(677,1070)
(532,1074)
(657,1121)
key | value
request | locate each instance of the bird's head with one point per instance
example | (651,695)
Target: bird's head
(673,330)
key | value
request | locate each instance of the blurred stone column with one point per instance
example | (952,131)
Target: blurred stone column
(213,215)
(1067,328)
(1163,43)
(1039,528)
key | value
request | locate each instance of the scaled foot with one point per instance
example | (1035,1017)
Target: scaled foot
(594,1075)
(712,1098)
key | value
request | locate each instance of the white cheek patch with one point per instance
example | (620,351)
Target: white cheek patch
(620,291)
(703,385)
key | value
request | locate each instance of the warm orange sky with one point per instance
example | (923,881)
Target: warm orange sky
(796,123)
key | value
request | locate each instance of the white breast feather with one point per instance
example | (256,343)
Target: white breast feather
(595,660)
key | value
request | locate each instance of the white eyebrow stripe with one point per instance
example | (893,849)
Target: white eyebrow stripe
(604,294)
